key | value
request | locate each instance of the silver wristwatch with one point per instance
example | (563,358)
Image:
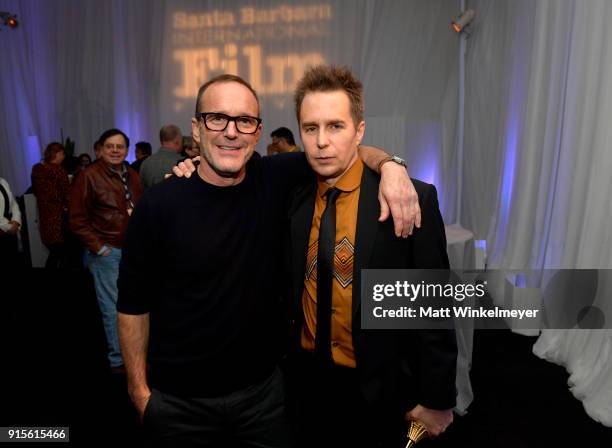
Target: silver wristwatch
(394,158)
(397,159)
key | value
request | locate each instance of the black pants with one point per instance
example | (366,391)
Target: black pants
(327,408)
(252,417)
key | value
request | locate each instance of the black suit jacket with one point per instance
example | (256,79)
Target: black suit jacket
(396,368)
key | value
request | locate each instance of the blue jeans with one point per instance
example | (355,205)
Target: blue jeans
(105,271)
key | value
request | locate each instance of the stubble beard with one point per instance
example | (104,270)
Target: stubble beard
(220,172)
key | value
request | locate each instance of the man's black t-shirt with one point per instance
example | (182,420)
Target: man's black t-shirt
(206,262)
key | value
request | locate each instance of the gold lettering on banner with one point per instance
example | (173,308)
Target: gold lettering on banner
(249,15)
(255,34)
(198,64)
(208,20)
(223,41)
(278,66)
(283,71)
(230,63)
(195,65)
(285,14)
(253,54)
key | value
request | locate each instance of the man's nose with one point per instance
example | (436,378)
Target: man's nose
(322,140)
(230,130)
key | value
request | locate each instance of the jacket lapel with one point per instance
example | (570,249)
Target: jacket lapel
(300,218)
(365,234)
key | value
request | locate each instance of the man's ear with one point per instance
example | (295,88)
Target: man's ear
(360,132)
(195,131)
(258,133)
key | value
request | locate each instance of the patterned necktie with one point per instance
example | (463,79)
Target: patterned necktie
(325,275)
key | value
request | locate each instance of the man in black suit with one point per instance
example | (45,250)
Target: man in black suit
(354,387)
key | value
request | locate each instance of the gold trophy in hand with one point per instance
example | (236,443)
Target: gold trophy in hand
(416,433)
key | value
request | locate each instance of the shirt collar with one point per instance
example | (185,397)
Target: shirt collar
(349,181)
(121,171)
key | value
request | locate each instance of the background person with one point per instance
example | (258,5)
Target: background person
(282,142)
(51,186)
(84,160)
(154,168)
(102,201)
(10,224)
(143,150)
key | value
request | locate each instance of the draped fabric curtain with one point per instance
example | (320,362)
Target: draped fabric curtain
(538,159)
(74,69)
(580,235)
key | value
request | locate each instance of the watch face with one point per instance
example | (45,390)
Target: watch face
(399,160)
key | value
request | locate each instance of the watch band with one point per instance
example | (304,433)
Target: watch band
(393,158)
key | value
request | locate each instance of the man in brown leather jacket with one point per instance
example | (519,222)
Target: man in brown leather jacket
(102,200)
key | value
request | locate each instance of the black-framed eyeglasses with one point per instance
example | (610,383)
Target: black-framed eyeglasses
(215,121)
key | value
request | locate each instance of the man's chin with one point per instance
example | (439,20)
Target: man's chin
(226,171)
(229,169)
(227,174)
(325,172)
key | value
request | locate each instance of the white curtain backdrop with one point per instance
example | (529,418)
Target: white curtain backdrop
(538,159)
(582,237)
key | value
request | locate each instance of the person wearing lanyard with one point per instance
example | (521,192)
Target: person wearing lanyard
(101,203)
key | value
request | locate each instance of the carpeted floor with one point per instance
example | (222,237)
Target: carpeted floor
(54,373)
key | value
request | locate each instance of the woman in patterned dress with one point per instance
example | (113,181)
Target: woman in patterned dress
(51,187)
